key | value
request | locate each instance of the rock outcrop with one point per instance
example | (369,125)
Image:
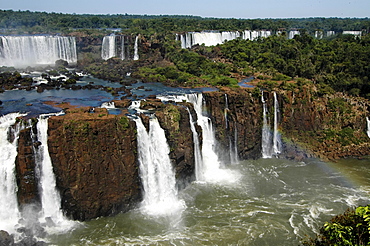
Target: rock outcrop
(240,120)
(95,163)
(328,127)
(27,179)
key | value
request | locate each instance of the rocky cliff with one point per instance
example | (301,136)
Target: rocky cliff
(237,115)
(328,127)
(95,162)
(94,154)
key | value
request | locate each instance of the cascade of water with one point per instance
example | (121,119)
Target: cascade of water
(197,153)
(266,133)
(293,33)
(108,47)
(108,105)
(234,148)
(136,49)
(211,167)
(368,126)
(246,35)
(226,110)
(123,56)
(22,51)
(9,212)
(157,174)
(254,35)
(276,137)
(50,198)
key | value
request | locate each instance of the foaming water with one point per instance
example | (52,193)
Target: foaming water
(275,202)
(211,169)
(9,212)
(157,174)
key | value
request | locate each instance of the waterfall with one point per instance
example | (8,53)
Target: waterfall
(9,212)
(276,138)
(293,33)
(123,56)
(23,51)
(266,133)
(108,47)
(50,198)
(136,50)
(226,110)
(108,105)
(368,126)
(197,153)
(211,168)
(157,173)
(234,148)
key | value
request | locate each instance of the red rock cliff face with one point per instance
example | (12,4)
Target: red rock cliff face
(95,163)
(241,119)
(25,169)
(329,127)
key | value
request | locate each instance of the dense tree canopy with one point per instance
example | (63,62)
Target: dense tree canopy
(58,22)
(342,63)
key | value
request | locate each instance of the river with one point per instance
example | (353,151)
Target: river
(270,202)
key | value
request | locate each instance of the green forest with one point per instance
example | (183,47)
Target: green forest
(335,63)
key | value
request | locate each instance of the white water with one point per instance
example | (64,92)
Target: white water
(266,133)
(293,33)
(211,169)
(9,212)
(197,153)
(355,33)
(108,47)
(234,148)
(211,38)
(368,126)
(276,137)
(50,197)
(23,51)
(136,50)
(226,110)
(108,105)
(156,171)
(123,56)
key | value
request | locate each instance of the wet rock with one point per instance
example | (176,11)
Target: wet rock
(6,239)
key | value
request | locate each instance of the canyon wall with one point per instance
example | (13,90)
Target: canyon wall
(94,154)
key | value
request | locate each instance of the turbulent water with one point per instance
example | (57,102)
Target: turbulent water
(275,202)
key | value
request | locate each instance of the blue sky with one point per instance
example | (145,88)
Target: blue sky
(206,8)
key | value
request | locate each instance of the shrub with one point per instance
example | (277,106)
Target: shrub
(350,228)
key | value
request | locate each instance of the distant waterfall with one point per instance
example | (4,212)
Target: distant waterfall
(212,38)
(136,49)
(9,212)
(211,167)
(119,46)
(368,126)
(293,33)
(50,198)
(276,137)
(23,51)
(266,133)
(157,174)
(108,47)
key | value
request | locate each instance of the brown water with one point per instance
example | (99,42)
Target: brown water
(275,202)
